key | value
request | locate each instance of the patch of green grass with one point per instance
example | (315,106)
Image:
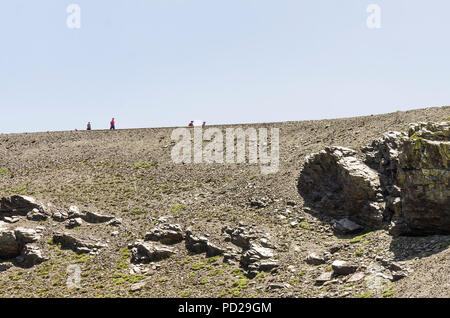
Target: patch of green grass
(186,293)
(138,212)
(177,207)
(301,273)
(120,279)
(237,286)
(241,283)
(365,295)
(192,275)
(358,238)
(14,277)
(144,165)
(204,281)
(359,253)
(294,281)
(20,190)
(81,258)
(197,266)
(389,291)
(259,275)
(304,225)
(239,272)
(163,279)
(215,272)
(213,259)
(4,171)
(125,255)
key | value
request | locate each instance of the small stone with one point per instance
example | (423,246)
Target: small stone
(398,275)
(74,223)
(356,277)
(343,267)
(12,219)
(346,226)
(138,286)
(36,215)
(314,259)
(324,277)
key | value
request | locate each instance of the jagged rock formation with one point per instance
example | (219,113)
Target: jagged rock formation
(402,181)
(19,205)
(78,245)
(17,244)
(414,170)
(149,252)
(166,234)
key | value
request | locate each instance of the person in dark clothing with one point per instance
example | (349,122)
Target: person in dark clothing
(89,126)
(113,125)
(204,124)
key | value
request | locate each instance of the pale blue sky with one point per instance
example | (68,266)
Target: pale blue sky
(156,63)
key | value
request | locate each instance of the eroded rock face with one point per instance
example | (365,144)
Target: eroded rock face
(149,252)
(200,244)
(77,245)
(16,244)
(423,177)
(88,216)
(10,247)
(31,255)
(402,181)
(340,184)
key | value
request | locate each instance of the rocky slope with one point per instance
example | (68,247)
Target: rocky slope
(114,208)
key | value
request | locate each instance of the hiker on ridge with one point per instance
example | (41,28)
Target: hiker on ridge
(89,126)
(191,124)
(113,125)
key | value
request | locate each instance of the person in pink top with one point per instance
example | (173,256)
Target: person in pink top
(113,125)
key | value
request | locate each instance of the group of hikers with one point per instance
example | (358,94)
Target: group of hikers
(112,125)
(191,124)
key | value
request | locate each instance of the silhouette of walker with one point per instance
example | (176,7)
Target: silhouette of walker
(112,125)
(89,126)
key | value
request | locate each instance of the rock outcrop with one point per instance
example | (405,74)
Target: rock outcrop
(401,182)
(78,245)
(337,182)
(20,205)
(166,234)
(18,244)
(149,252)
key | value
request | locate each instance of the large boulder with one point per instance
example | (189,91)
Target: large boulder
(31,255)
(166,234)
(16,244)
(337,182)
